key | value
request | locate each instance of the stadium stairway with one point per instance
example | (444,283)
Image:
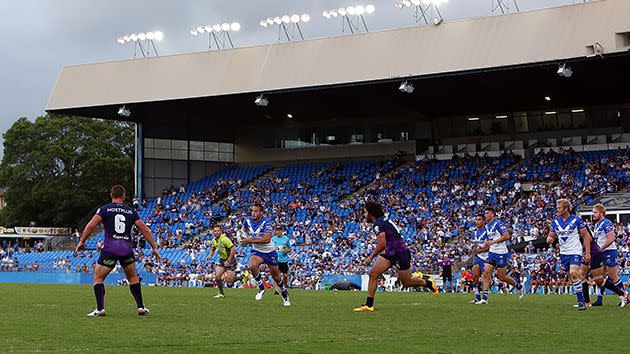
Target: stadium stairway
(372,184)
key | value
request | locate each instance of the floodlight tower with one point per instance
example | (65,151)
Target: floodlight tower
(144,42)
(352,17)
(504,6)
(288,26)
(218,34)
(425,11)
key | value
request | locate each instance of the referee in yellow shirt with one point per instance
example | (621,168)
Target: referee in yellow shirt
(227,264)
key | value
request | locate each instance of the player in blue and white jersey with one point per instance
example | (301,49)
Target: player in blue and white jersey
(479,237)
(604,233)
(498,256)
(259,230)
(569,229)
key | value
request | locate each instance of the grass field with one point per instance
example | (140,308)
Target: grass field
(52,318)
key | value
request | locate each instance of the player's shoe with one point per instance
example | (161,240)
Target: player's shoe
(433,287)
(581,306)
(623,300)
(96,313)
(588,304)
(286,302)
(219,296)
(259,295)
(481,302)
(597,304)
(473,301)
(521,292)
(143,311)
(364,308)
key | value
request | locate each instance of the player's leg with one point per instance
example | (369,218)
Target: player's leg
(134,285)
(584,269)
(576,279)
(380,266)
(613,282)
(230,276)
(218,278)
(275,274)
(476,275)
(488,268)
(407,280)
(100,273)
(254,263)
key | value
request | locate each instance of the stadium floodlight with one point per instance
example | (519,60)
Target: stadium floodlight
(351,17)
(143,42)
(124,112)
(406,87)
(503,6)
(501,117)
(547,98)
(426,11)
(218,34)
(565,71)
(261,101)
(577,110)
(473,118)
(288,25)
(290,116)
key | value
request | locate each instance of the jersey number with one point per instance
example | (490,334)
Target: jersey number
(119,224)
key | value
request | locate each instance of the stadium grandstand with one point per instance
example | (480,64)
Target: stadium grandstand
(512,111)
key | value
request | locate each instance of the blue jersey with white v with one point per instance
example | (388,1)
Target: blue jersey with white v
(602,229)
(257,229)
(494,230)
(568,232)
(479,237)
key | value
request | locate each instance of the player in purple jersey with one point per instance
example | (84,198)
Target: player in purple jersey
(396,253)
(117,219)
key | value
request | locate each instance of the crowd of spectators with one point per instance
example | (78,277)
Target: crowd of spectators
(432,202)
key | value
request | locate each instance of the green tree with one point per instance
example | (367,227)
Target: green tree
(58,168)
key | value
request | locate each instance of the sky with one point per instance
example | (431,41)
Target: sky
(39,37)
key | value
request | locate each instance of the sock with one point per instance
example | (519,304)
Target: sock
(600,293)
(261,285)
(619,285)
(610,286)
(283,290)
(484,295)
(99,293)
(477,293)
(587,297)
(136,291)
(578,288)
(220,285)
(369,302)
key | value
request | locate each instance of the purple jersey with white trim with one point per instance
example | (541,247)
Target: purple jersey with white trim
(394,242)
(118,219)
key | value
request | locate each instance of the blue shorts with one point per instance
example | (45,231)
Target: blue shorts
(270,259)
(401,260)
(568,260)
(610,258)
(478,261)
(499,260)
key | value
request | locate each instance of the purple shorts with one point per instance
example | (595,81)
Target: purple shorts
(402,260)
(270,259)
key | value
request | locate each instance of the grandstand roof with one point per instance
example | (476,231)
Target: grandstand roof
(211,81)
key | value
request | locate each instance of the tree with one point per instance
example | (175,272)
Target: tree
(58,168)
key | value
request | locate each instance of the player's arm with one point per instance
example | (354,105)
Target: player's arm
(610,238)
(505,236)
(380,247)
(211,254)
(231,255)
(89,228)
(586,238)
(265,239)
(146,233)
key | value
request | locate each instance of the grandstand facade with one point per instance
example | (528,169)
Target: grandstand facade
(490,123)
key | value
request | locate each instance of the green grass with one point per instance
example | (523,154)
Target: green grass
(52,318)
